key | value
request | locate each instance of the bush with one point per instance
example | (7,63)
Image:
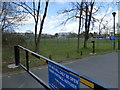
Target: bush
(9,40)
(12,39)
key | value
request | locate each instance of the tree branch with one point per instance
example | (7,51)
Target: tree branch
(42,22)
(25,9)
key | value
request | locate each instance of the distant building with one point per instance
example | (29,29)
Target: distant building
(97,37)
(22,34)
(63,34)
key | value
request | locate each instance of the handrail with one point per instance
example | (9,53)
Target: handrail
(83,79)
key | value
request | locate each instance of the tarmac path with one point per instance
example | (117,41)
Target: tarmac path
(103,68)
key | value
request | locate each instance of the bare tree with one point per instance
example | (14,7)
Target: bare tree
(82,11)
(80,18)
(88,14)
(34,11)
(41,25)
(76,12)
(10,17)
(101,21)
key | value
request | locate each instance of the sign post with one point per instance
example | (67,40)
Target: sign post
(112,37)
(93,47)
(59,78)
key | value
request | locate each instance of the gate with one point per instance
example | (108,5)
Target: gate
(65,75)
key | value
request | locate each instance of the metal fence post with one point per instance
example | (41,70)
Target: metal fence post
(27,60)
(93,47)
(17,55)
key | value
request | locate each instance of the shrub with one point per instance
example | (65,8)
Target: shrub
(11,39)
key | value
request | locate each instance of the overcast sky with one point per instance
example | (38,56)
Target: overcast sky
(53,19)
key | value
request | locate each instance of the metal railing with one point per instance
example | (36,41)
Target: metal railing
(83,79)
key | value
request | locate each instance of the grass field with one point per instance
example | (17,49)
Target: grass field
(58,49)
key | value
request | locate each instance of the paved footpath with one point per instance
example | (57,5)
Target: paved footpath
(103,68)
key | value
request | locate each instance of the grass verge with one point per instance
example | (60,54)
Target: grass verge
(60,50)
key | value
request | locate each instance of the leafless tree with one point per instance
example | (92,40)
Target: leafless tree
(88,14)
(34,11)
(102,21)
(10,17)
(80,18)
(83,11)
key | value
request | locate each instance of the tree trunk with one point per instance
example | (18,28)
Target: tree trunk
(36,37)
(86,27)
(86,39)
(87,23)
(78,42)
(41,26)
(37,48)
(36,24)
(85,42)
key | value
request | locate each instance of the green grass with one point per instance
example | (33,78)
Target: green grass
(65,49)
(59,49)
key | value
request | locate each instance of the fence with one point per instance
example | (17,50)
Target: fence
(82,78)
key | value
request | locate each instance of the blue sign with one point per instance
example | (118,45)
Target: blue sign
(59,78)
(112,37)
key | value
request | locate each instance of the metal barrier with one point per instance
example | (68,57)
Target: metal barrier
(83,79)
